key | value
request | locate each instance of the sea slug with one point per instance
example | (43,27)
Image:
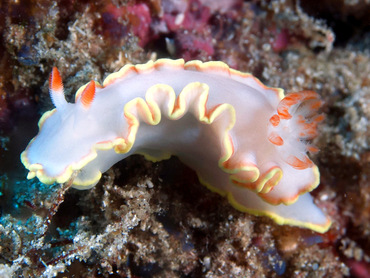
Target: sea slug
(245,141)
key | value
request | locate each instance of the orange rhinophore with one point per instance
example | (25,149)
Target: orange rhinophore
(87,95)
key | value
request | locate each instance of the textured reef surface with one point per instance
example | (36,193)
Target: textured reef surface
(147,219)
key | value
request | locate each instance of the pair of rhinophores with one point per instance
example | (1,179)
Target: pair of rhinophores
(245,141)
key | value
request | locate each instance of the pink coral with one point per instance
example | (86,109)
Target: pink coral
(138,16)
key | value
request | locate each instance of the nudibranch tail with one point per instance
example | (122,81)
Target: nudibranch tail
(56,89)
(244,139)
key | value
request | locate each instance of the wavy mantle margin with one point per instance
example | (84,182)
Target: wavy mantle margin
(151,114)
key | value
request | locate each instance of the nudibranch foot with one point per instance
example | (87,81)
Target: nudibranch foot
(246,141)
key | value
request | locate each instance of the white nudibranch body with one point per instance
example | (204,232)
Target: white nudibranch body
(246,141)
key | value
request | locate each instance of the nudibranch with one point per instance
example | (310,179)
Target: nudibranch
(245,141)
